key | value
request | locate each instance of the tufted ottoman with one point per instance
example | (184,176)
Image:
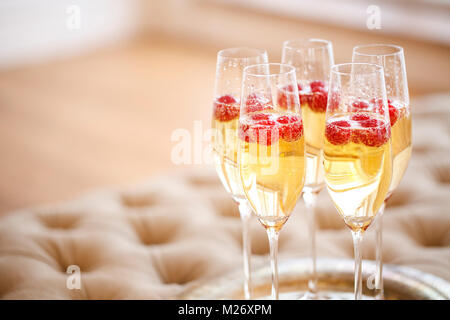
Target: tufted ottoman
(154,240)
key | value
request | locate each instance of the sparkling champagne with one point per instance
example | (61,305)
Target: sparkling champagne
(358,166)
(272,164)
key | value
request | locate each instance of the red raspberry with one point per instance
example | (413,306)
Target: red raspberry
(379,101)
(305,98)
(393,114)
(375,133)
(317,85)
(243,132)
(260,116)
(255,103)
(393,111)
(291,129)
(359,117)
(376,101)
(226,99)
(371,123)
(359,106)
(292,132)
(378,104)
(334,101)
(286,96)
(338,132)
(264,132)
(319,101)
(288,119)
(225,108)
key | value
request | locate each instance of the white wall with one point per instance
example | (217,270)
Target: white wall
(427,20)
(422,19)
(32,30)
(36,30)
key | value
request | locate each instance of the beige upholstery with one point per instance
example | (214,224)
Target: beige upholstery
(154,240)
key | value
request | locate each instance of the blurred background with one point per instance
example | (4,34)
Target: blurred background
(91,91)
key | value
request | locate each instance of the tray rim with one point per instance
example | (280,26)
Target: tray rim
(391,272)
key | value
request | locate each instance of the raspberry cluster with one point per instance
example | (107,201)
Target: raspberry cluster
(268,128)
(360,129)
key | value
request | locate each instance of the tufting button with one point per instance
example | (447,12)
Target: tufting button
(139,200)
(207,181)
(224,205)
(156,229)
(190,261)
(441,171)
(400,197)
(59,220)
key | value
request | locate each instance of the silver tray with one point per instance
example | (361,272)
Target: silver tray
(335,282)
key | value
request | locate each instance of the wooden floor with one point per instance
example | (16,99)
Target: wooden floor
(102,119)
(98,120)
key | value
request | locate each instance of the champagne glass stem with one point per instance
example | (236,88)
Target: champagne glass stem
(379,254)
(310,199)
(246,213)
(272,233)
(357,240)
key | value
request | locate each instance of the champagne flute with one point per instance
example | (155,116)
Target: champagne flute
(230,65)
(357,149)
(312,59)
(271,148)
(392,59)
